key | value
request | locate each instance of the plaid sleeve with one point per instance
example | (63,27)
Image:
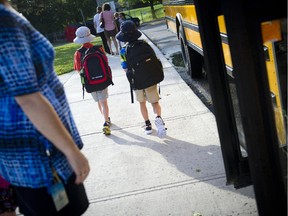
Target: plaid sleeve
(17,70)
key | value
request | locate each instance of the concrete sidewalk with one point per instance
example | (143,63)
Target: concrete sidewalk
(137,174)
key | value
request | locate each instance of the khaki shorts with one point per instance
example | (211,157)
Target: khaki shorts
(149,94)
(100,95)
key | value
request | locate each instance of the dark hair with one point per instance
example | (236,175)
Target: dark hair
(122,14)
(106,7)
(99,9)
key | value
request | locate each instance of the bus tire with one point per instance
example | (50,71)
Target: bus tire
(192,60)
(196,62)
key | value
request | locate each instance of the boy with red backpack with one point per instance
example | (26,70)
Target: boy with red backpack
(92,64)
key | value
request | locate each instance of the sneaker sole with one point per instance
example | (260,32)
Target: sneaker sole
(148,132)
(106,131)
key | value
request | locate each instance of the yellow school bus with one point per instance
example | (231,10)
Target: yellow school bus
(251,119)
(181,18)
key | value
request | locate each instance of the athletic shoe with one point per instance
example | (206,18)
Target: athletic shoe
(161,130)
(148,129)
(106,128)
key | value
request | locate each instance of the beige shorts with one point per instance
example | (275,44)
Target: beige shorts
(149,94)
(100,95)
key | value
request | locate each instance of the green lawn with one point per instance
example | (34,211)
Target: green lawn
(64,53)
(145,15)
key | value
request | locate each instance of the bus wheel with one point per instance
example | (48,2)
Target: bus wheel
(193,61)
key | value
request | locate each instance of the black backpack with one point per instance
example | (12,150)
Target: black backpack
(144,68)
(95,73)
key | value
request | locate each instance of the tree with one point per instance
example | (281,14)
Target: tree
(134,2)
(49,16)
(88,7)
(151,3)
(41,13)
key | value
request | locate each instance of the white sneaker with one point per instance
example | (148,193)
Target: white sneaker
(161,130)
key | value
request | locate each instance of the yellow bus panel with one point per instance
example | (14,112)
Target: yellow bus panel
(227,55)
(271,31)
(188,13)
(221,23)
(274,88)
(193,36)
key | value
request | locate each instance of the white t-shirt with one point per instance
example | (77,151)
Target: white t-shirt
(96,21)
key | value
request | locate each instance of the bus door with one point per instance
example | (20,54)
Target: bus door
(257,38)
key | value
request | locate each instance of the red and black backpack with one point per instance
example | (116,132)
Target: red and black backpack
(96,73)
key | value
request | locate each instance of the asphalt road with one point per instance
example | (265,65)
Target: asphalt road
(167,42)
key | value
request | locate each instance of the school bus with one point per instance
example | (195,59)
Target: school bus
(182,18)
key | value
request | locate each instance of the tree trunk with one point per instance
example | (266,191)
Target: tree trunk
(152,9)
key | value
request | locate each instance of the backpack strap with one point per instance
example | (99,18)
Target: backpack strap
(82,51)
(128,45)
(131,92)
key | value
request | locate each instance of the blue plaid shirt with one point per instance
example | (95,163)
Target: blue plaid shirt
(26,66)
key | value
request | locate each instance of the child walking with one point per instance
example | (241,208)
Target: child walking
(129,33)
(84,37)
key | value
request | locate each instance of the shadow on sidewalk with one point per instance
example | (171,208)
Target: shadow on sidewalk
(198,162)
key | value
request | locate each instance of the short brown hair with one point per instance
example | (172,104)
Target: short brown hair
(99,9)
(106,7)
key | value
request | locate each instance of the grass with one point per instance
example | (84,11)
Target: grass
(177,59)
(64,53)
(145,15)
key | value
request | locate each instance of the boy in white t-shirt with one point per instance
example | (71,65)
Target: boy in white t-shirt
(99,30)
